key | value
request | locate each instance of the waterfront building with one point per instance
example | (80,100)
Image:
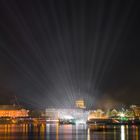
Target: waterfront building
(77,113)
(113,113)
(51,113)
(136,110)
(66,114)
(80,104)
(97,114)
(12,111)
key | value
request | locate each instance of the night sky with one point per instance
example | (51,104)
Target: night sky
(53,52)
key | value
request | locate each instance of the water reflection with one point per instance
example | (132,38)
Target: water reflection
(114,132)
(137,134)
(47,131)
(88,134)
(67,132)
(122,132)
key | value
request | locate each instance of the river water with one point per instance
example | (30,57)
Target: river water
(67,132)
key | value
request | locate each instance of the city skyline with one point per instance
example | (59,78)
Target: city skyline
(53,53)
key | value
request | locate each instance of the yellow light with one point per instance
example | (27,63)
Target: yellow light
(122,114)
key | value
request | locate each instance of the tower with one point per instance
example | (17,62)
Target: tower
(80,104)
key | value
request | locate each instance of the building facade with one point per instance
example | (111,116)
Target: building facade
(13,111)
(62,113)
(136,110)
(80,104)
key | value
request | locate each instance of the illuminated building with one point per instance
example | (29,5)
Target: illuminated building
(12,111)
(66,114)
(79,114)
(97,114)
(80,104)
(51,113)
(114,113)
(136,110)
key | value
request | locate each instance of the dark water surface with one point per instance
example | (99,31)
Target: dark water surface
(66,132)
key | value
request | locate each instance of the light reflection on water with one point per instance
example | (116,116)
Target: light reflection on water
(67,132)
(122,132)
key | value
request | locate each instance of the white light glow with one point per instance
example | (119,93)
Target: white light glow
(122,132)
(67,117)
(80,122)
(122,114)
